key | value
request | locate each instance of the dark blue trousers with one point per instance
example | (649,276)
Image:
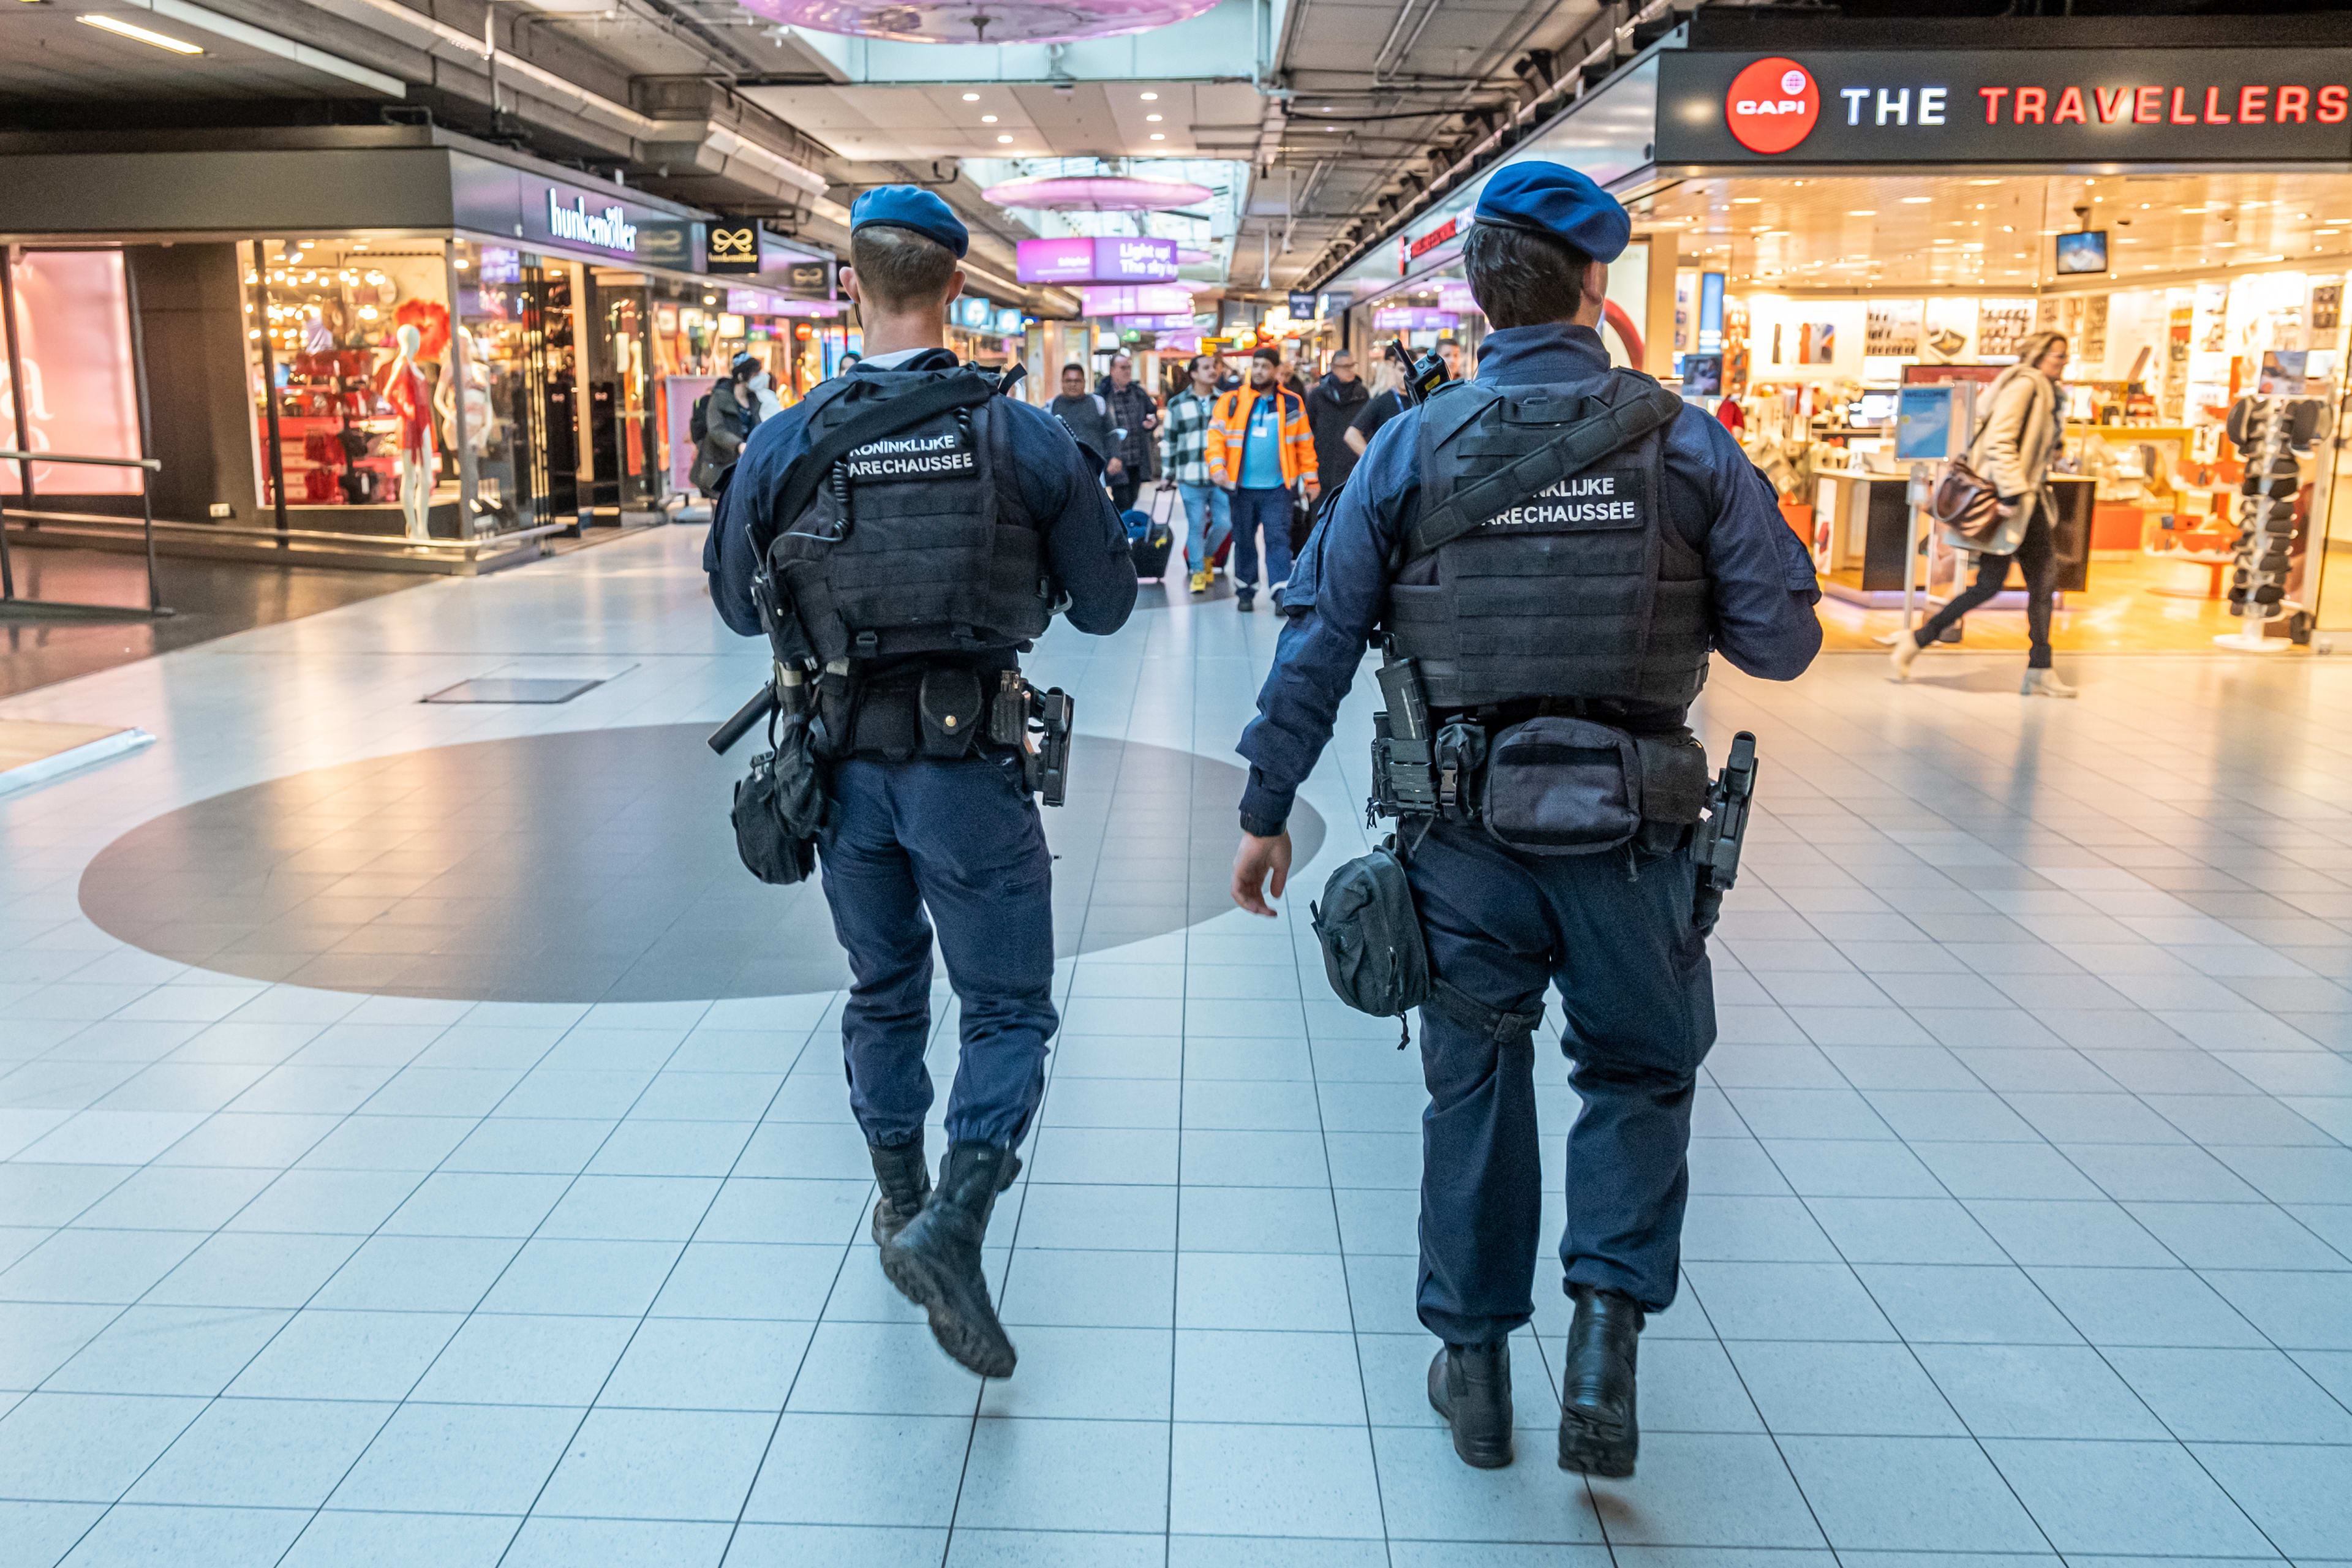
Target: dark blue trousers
(959,840)
(1613,932)
(1254,509)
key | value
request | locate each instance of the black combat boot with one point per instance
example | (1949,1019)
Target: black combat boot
(1597,1431)
(1470,1385)
(935,1260)
(904,1181)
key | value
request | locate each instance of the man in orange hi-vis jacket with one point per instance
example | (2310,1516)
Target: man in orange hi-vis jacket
(1260,448)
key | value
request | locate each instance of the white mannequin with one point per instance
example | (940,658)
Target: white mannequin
(405,390)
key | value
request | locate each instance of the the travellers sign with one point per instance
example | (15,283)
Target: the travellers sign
(2006,106)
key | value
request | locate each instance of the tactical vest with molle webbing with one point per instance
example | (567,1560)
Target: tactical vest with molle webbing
(1540,563)
(911,542)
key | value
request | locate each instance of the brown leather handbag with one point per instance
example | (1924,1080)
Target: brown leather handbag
(1966,502)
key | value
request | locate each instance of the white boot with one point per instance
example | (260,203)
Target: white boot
(2044,683)
(1905,650)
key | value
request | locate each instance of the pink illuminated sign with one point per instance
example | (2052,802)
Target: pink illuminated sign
(1081,259)
(73,323)
(1149,300)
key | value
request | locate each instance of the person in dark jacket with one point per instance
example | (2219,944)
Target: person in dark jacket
(1332,405)
(1133,412)
(728,415)
(1088,417)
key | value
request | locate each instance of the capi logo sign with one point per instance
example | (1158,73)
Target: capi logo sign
(1772,105)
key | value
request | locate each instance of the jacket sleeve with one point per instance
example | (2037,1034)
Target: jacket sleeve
(2004,435)
(1330,608)
(1300,437)
(1218,412)
(1086,544)
(1168,440)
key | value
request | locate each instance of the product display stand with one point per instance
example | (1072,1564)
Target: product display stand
(2258,586)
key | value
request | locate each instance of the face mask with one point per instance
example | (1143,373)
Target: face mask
(763,380)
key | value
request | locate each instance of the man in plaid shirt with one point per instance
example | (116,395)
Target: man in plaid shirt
(1184,459)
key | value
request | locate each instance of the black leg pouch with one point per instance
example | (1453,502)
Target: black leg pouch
(779,809)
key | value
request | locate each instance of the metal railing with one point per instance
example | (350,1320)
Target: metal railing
(12,606)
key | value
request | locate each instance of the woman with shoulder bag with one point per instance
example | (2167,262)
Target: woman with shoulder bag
(2022,427)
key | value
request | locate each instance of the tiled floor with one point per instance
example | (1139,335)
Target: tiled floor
(2023,1225)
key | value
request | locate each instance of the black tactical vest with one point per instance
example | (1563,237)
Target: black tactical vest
(1586,590)
(912,544)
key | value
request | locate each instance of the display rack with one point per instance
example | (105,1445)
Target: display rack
(2267,530)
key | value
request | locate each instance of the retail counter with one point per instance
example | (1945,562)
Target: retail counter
(1860,522)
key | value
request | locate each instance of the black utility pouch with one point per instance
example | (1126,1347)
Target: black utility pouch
(779,809)
(950,704)
(1373,953)
(1559,785)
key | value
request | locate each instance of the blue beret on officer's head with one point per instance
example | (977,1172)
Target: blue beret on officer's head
(1552,198)
(912,207)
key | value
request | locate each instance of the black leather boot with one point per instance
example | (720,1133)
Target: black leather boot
(1598,1434)
(935,1260)
(906,1183)
(1470,1385)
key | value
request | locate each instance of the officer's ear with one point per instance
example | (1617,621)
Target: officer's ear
(954,291)
(1595,293)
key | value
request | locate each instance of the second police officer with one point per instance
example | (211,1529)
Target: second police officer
(1585,613)
(902,568)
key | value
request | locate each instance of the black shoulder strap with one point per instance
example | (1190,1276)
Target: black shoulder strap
(1579,446)
(804,473)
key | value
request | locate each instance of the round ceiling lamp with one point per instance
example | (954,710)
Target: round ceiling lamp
(1186,256)
(1095,194)
(978,21)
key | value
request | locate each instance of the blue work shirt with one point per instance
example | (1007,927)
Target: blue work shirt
(1761,590)
(1262,448)
(1086,544)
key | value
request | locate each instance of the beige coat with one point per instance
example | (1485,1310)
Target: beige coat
(2013,447)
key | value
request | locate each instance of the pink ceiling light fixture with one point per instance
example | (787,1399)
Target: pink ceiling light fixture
(978,21)
(1186,256)
(1095,194)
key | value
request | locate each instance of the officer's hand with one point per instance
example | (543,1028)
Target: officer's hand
(1251,864)
(1114,468)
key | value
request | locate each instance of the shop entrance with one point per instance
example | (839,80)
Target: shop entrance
(2179,294)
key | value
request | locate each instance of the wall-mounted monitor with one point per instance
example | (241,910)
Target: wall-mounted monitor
(2083,252)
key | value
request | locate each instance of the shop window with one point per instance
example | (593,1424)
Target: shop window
(73,335)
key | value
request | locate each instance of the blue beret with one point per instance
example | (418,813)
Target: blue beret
(1554,199)
(912,207)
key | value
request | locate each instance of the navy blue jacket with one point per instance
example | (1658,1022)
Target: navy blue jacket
(1085,541)
(1760,578)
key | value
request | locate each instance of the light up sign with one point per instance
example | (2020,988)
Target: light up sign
(1080,260)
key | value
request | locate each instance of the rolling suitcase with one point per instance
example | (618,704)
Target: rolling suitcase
(1150,540)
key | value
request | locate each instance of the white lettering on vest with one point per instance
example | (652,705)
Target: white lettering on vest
(1584,500)
(911,457)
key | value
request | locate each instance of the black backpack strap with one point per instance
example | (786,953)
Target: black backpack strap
(1582,445)
(804,473)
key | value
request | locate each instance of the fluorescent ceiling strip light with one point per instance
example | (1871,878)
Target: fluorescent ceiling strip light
(138,34)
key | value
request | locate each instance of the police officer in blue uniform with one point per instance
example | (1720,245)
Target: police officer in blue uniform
(914,568)
(1590,606)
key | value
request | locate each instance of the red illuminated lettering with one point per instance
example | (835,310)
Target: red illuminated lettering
(2331,106)
(2030,102)
(2147,106)
(2213,115)
(2253,105)
(2181,113)
(2070,108)
(2111,106)
(1992,97)
(2293,104)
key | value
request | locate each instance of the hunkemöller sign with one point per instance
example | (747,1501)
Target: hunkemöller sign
(608,230)
(2006,106)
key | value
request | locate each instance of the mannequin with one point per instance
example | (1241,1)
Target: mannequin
(410,397)
(482,433)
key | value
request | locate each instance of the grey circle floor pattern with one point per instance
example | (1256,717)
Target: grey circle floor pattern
(598,866)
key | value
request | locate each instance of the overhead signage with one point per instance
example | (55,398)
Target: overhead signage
(2005,106)
(763,302)
(666,242)
(1076,260)
(1151,299)
(1413,319)
(1171,323)
(971,312)
(1302,305)
(1422,245)
(606,228)
(809,278)
(731,248)
(1456,297)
